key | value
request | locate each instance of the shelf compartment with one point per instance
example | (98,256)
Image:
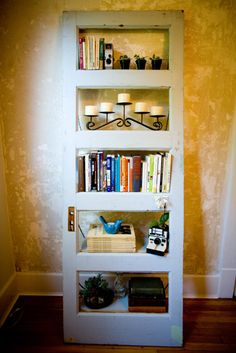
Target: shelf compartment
(153,40)
(123,116)
(124,303)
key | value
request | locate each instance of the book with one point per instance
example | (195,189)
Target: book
(136,178)
(108,173)
(81,173)
(117,173)
(101,53)
(124,174)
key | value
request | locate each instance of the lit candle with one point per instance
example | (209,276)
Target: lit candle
(157,110)
(123,98)
(91,110)
(141,107)
(106,107)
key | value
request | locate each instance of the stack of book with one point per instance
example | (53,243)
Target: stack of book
(100,241)
(91,53)
(120,173)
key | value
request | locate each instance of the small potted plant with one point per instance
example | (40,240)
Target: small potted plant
(124,62)
(156,62)
(161,223)
(96,293)
(140,62)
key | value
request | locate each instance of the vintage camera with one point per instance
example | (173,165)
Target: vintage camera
(108,56)
(158,241)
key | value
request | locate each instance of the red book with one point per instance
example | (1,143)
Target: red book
(137,174)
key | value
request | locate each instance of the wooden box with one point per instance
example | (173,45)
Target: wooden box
(100,241)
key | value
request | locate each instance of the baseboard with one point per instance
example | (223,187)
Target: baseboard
(201,286)
(227,283)
(37,283)
(8,297)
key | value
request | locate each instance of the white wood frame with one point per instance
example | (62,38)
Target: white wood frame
(123,328)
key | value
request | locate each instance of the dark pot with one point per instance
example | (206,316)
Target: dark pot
(124,64)
(100,300)
(141,64)
(156,64)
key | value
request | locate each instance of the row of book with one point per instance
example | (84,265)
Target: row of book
(91,53)
(98,171)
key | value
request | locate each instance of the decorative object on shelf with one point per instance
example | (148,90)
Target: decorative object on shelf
(146,294)
(119,286)
(111,227)
(156,62)
(124,100)
(158,235)
(96,292)
(140,62)
(124,62)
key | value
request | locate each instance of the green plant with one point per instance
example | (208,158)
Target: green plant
(124,57)
(138,57)
(155,57)
(161,223)
(93,286)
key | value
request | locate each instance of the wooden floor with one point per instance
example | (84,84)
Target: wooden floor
(35,326)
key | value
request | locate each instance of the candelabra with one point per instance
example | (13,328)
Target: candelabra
(124,120)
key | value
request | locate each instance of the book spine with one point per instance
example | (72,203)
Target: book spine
(101,53)
(93,171)
(81,53)
(87,172)
(117,173)
(136,173)
(81,173)
(112,173)
(151,172)
(108,174)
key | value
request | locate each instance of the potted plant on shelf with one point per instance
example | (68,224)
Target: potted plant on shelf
(140,62)
(124,62)
(96,293)
(156,62)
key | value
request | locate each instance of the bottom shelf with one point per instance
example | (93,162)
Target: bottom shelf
(123,293)
(120,305)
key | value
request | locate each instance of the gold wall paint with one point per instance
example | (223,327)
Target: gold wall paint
(31,122)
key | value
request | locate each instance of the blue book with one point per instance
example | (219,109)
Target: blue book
(117,173)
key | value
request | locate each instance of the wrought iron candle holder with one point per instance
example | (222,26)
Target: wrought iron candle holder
(125,120)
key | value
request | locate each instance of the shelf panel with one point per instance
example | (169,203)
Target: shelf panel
(119,201)
(124,140)
(122,78)
(119,305)
(123,262)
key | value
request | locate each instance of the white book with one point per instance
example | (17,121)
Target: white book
(87,169)
(166,172)
(158,182)
(144,176)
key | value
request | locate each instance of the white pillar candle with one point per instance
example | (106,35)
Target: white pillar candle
(123,98)
(157,110)
(91,110)
(141,107)
(106,107)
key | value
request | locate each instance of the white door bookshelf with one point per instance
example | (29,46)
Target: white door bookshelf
(163,31)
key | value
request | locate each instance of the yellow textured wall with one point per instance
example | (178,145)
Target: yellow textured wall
(31,122)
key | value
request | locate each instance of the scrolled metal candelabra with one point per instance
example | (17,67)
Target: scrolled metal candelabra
(126,120)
